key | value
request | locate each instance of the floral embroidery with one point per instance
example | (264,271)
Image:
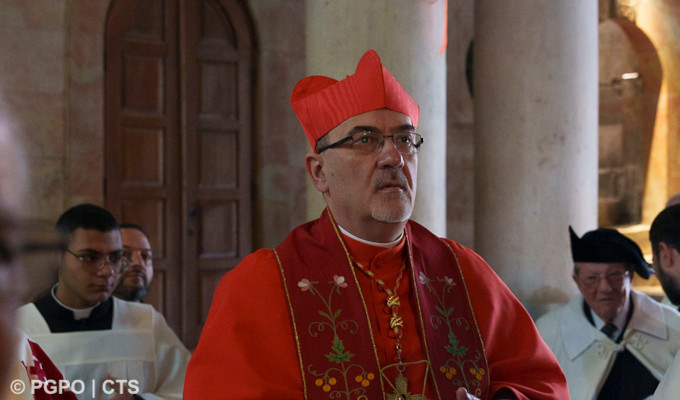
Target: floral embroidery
(340,281)
(326,383)
(364,379)
(459,359)
(346,379)
(424,280)
(304,285)
(450,372)
(477,373)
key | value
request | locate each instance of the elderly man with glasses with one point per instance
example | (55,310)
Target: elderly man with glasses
(108,345)
(612,341)
(364,303)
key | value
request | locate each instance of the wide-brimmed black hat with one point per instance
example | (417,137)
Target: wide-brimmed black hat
(608,246)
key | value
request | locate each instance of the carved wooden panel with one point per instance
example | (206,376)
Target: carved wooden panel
(142,156)
(218,100)
(178,129)
(219,160)
(143,141)
(144,20)
(143,79)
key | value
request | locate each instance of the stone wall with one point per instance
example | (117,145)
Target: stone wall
(52,90)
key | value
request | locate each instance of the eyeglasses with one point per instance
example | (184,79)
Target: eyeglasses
(367,142)
(144,254)
(615,278)
(95,263)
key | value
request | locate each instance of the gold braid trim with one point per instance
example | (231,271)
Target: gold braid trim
(363,301)
(420,315)
(292,318)
(474,316)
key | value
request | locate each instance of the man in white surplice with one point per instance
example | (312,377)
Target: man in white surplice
(107,343)
(611,341)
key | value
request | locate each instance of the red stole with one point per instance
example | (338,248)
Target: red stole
(335,340)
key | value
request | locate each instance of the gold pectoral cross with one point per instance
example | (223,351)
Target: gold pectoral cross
(401,390)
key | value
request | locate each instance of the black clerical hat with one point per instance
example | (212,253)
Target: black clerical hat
(610,246)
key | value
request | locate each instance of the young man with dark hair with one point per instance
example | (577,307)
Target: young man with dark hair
(94,337)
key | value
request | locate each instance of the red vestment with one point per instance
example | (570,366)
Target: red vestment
(33,366)
(247,347)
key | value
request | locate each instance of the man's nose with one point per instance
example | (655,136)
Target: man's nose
(136,258)
(389,155)
(603,284)
(107,270)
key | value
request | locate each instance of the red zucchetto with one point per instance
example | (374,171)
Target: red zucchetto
(322,103)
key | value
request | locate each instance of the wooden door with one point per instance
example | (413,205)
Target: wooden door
(178,129)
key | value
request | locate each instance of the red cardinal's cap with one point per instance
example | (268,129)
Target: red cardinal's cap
(322,103)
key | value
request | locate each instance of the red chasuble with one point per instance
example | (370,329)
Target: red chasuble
(335,330)
(248,347)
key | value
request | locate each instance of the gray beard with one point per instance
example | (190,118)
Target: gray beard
(386,211)
(390,215)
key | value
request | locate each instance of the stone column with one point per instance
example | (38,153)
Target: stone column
(408,36)
(536,140)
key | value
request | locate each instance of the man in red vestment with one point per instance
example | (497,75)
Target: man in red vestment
(364,303)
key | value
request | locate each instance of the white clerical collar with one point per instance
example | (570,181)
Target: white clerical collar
(387,245)
(78,313)
(619,320)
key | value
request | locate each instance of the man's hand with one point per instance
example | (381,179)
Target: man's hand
(462,394)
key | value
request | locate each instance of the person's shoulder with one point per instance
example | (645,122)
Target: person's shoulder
(260,258)
(568,312)
(461,250)
(132,306)
(27,308)
(549,325)
(135,312)
(553,314)
(257,265)
(471,263)
(648,305)
(30,320)
(129,314)
(257,271)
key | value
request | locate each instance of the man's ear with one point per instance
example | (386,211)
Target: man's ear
(314,164)
(666,256)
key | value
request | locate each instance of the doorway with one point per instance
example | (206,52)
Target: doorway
(178,128)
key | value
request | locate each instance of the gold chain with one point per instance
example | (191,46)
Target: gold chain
(392,302)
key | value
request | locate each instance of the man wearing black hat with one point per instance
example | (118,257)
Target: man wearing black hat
(611,341)
(664,235)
